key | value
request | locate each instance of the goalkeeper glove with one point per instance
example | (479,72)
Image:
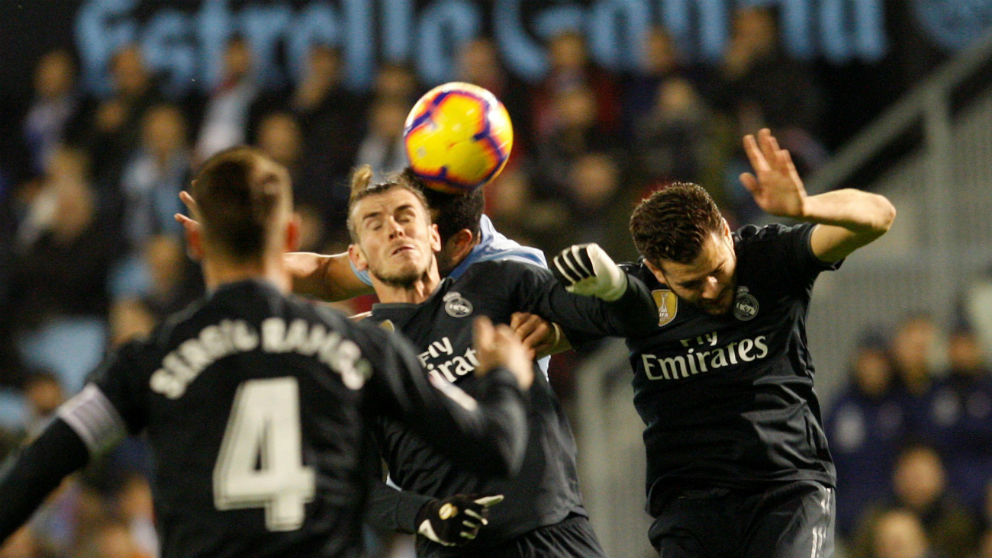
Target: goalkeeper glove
(585,269)
(456,519)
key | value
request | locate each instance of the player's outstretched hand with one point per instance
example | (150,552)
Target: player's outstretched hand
(775,184)
(456,519)
(585,269)
(499,346)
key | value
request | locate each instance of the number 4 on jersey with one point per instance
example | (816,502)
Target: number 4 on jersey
(261,458)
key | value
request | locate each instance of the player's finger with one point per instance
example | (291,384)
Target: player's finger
(523,323)
(187,200)
(754,155)
(768,145)
(749,181)
(489,501)
(482,330)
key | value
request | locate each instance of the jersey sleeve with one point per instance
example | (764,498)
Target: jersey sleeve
(584,318)
(28,478)
(390,509)
(797,250)
(486,434)
(122,382)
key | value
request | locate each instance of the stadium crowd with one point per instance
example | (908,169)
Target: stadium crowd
(90,254)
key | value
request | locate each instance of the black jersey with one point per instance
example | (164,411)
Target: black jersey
(546,490)
(728,400)
(256,406)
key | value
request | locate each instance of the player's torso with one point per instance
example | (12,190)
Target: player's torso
(547,488)
(733,392)
(258,446)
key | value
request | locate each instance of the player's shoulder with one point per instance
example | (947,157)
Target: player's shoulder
(772,232)
(639,270)
(502,269)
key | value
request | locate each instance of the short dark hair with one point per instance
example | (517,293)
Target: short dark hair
(362,187)
(236,212)
(672,224)
(451,212)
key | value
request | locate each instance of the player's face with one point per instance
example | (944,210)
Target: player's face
(708,281)
(397,241)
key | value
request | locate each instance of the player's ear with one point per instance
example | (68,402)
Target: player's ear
(194,242)
(726,227)
(357,257)
(435,238)
(459,245)
(294,234)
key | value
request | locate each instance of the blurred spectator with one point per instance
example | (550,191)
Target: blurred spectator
(25,544)
(382,145)
(897,533)
(575,132)
(158,170)
(678,138)
(960,414)
(111,129)
(396,81)
(129,319)
(865,426)
(913,346)
(324,109)
(759,86)
(111,539)
(519,215)
(759,79)
(660,62)
(43,393)
(571,69)
(135,507)
(598,207)
(173,281)
(225,115)
(985,547)
(60,272)
(920,485)
(279,136)
(56,102)
(478,62)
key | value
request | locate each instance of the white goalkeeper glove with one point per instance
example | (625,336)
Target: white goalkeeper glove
(456,519)
(585,269)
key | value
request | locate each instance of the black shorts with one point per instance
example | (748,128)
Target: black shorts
(795,519)
(572,537)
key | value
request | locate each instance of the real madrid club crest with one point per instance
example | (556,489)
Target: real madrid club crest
(745,305)
(668,305)
(456,305)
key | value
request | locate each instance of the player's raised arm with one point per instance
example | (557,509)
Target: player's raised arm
(326,277)
(486,433)
(624,306)
(27,479)
(847,219)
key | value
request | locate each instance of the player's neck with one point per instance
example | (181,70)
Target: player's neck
(416,292)
(218,272)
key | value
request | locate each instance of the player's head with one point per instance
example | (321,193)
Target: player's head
(244,205)
(687,244)
(391,231)
(457,218)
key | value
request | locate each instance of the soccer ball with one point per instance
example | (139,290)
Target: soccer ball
(458,137)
